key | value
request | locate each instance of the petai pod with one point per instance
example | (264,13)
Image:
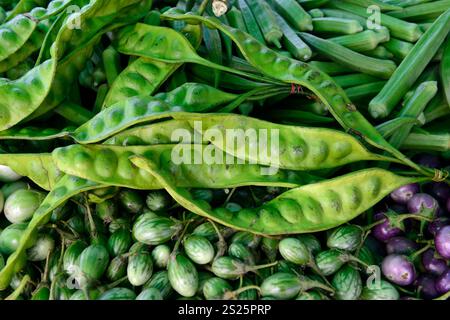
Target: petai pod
(39,168)
(14,34)
(35,134)
(289,147)
(111,165)
(311,208)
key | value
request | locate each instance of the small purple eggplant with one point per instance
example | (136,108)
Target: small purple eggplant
(443,282)
(403,194)
(384,231)
(442,242)
(422,201)
(401,245)
(426,285)
(398,269)
(432,264)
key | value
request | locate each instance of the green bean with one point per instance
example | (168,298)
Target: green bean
(23,96)
(111,63)
(102,91)
(353,60)
(316,13)
(365,91)
(410,68)
(399,48)
(379,52)
(427,142)
(14,34)
(388,128)
(336,25)
(66,188)
(413,108)
(73,112)
(380,4)
(362,41)
(35,133)
(290,71)
(445,70)
(297,148)
(330,68)
(344,15)
(311,208)
(399,29)
(353,80)
(437,108)
(407,3)
(236,19)
(312,4)
(110,165)
(421,11)
(250,21)
(267,22)
(39,168)
(293,43)
(294,14)
(213,45)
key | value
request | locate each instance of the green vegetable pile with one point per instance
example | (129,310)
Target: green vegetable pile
(92,93)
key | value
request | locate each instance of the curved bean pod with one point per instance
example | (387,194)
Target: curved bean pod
(24,6)
(39,168)
(111,165)
(66,188)
(297,148)
(143,76)
(35,134)
(311,208)
(127,113)
(291,71)
(32,45)
(23,96)
(14,34)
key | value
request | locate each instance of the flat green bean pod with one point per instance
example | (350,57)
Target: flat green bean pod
(152,134)
(111,165)
(39,168)
(143,76)
(32,45)
(127,113)
(311,208)
(24,6)
(23,96)
(35,134)
(14,34)
(297,148)
(291,71)
(66,188)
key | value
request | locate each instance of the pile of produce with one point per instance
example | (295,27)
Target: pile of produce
(120,181)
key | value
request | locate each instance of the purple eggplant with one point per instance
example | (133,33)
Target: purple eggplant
(432,264)
(437,224)
(442,242)
(422,201)
(384,231)
(403,194)
(426,286)
(398,269)
(443,282)
(401,245)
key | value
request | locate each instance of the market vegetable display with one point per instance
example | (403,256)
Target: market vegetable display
(120,180)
